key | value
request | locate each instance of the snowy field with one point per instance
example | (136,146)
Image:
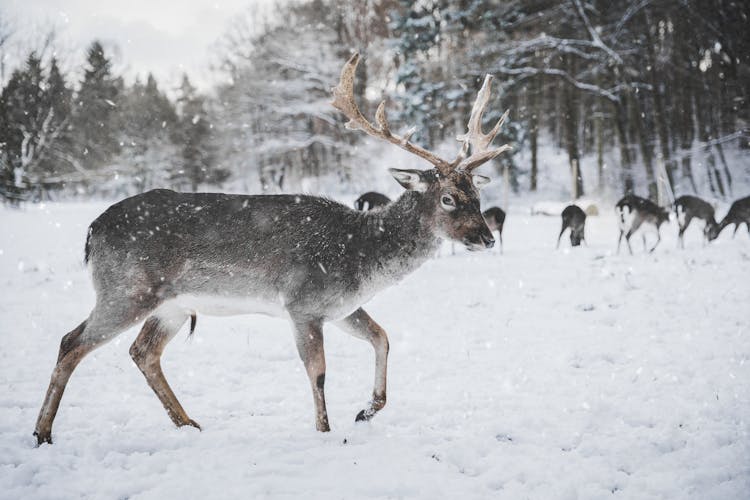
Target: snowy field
(537,374)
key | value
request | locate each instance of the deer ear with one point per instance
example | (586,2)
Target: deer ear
(413,180)
(480,180)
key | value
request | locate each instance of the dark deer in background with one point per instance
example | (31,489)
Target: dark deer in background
(162,256)
(739,213)
(370,200)
(575,219)
(495,218)
(688,208)
(634,211)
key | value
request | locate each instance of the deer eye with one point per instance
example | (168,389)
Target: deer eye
(447,202)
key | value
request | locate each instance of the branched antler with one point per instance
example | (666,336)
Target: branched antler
(475,138)
(343,100)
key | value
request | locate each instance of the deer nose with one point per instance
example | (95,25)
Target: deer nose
(489,242)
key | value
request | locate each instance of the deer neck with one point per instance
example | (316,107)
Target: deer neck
(403,233)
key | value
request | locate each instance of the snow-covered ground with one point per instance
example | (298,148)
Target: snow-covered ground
(536,374)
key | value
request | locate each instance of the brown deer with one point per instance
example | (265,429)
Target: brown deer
(690,207)
(738,214)
(632,212)
(495,218)
(573,217)
(162,256)
(370,200)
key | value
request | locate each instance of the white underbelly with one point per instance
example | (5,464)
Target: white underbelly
(218,305)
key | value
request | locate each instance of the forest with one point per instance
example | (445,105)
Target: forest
(652,95)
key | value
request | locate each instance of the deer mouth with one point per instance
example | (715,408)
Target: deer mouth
(479,243)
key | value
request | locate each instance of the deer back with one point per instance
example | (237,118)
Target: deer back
(283,249)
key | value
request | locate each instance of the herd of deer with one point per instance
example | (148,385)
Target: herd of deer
(632,213)
(161,257)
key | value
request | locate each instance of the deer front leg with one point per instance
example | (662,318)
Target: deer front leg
(563,230)
(308,335)
(361,325)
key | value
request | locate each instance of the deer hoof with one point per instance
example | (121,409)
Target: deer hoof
(365,415)
(43,437)
(191,423)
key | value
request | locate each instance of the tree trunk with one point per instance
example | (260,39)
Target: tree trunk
(621,119)
(657,82)
(639,121)
(687,135)
(702,115)
(534,99)
(570,108)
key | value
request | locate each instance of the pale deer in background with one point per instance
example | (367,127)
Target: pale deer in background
(162,256)
(634,211)
(370,200)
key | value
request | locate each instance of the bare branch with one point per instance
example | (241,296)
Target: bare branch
(593,34)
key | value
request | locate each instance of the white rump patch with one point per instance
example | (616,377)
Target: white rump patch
(680,215)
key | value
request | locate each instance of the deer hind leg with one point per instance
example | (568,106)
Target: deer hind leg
(658,240)
(308,335)
(106,321)
(500,238)
(146,351)
(683,228)
(361,325)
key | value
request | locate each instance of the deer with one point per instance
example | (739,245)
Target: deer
(573,217)
(738,214)
(160,257)
(370,200)
(495,218)
(634,211)
(690,207)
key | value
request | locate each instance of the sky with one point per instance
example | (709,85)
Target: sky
(165,37)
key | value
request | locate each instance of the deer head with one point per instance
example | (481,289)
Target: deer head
(450,187)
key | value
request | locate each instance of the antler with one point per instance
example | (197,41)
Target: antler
(343,100)
(479,141)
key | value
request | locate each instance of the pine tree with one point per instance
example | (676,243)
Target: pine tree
(58,97)
(195,139)
(95,109)
(32,122)
(146,124)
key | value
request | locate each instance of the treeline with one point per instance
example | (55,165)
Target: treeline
(652,94)
(664,84)
(100,136)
